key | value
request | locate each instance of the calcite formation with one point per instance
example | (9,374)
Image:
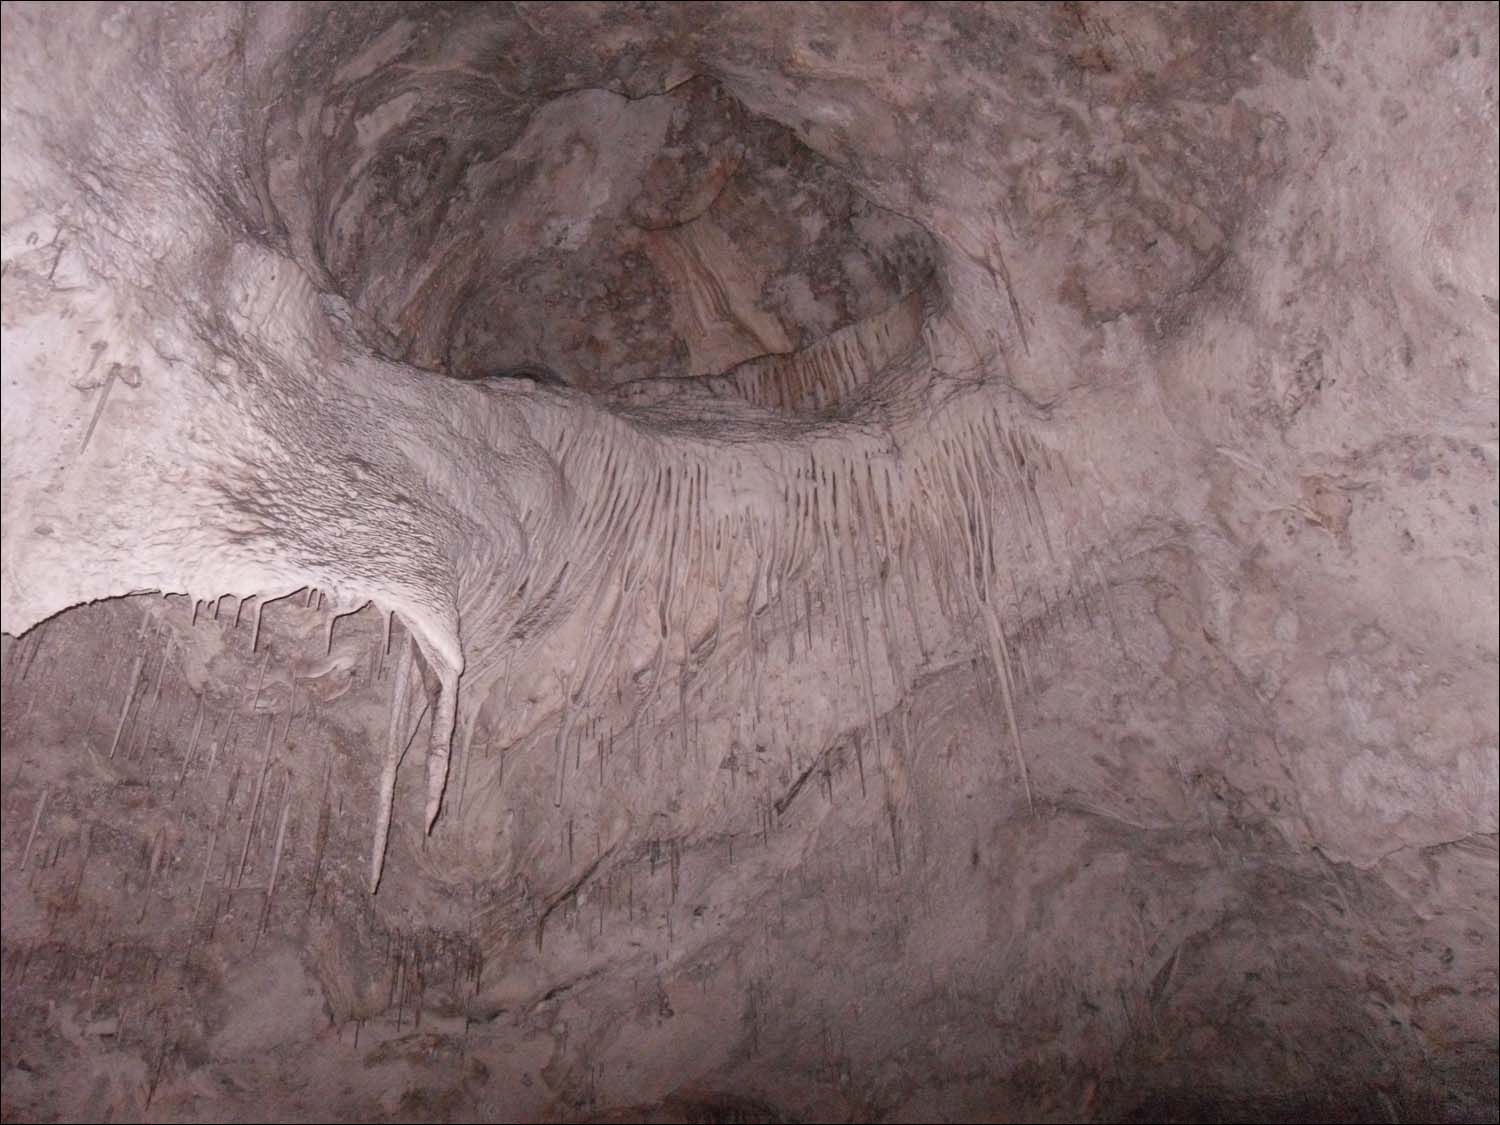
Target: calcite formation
(750,562)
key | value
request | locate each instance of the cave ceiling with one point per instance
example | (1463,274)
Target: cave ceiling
(749,562)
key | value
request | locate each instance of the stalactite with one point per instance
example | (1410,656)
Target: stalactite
(321,834)
(980,518)
(260,786)
(865,667)
(1000,656)
(36,822)
(187,758)
(276,853)
(260,605)
(131,683)
(109,382)
(560,744)
(145,747)
(466,742)
(439,744)
(667,563)
(396,746)
(859,758)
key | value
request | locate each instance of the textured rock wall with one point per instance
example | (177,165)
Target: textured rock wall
(981,602)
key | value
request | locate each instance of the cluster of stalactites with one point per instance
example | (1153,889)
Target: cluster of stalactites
(741,528)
